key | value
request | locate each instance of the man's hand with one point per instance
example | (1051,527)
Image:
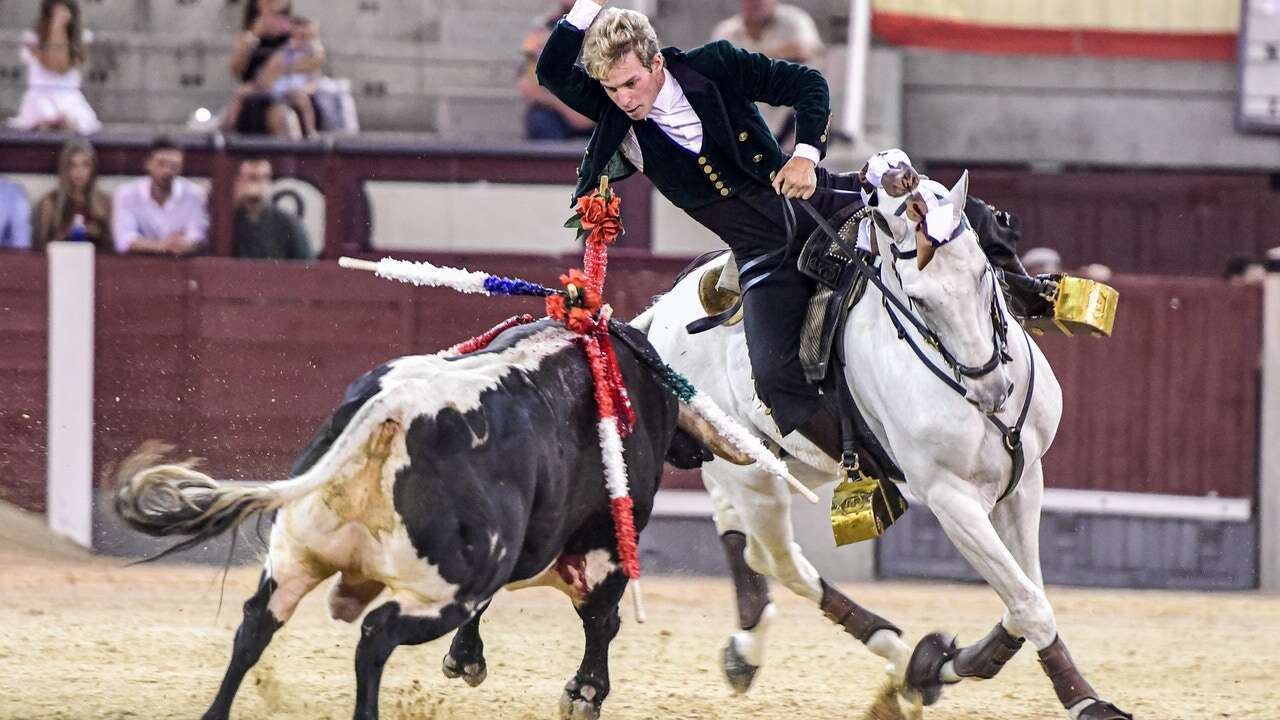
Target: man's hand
(796,179)
(175,243)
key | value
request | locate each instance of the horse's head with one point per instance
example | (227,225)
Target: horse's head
(932,251)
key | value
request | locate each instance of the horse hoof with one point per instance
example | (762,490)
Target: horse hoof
(580,701)
(473,673)
(1101,710)
(924,670)
(737,670)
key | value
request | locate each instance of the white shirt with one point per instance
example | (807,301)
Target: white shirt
(671,110)
(789,24)
(135,214)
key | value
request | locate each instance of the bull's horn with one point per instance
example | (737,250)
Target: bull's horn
(705,433)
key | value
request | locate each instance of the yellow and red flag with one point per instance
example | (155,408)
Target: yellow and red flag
(1157,29)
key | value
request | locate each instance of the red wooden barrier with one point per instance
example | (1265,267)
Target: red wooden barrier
(24,307)
(1168,404)
(239,361)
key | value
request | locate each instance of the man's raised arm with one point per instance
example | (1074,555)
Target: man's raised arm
(558,70)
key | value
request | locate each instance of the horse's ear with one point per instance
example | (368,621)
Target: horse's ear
(959,195)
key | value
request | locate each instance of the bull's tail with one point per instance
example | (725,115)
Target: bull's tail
(173,498)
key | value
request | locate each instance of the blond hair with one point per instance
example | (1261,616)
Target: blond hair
(615,34)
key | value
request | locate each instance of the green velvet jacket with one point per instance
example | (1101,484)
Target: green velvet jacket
(722,84)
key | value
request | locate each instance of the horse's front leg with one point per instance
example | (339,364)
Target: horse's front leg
(965,520)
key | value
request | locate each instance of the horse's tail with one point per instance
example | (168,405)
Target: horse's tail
(173,498)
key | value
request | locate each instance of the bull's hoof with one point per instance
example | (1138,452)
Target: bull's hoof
(924,670)
(473,673)
(737,670)
(1103,711)
(581,701)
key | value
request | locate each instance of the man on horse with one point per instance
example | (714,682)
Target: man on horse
(688,120)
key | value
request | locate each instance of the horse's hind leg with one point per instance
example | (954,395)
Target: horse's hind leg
(280,588)
(966,523)
(763,504)
(465,658)
(743,655)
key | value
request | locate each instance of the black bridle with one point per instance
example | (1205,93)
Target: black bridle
(1011,434)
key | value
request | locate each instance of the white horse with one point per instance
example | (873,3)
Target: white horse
(953,458)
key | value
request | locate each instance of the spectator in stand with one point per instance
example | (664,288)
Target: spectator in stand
(15,217)
(161,214)
(262,230)
(783,32)
(53,54)
(546,117)
(75,202)
(275,56)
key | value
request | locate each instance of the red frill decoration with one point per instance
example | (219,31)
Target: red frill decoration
(621,399)
(600,375)
(624,526)
(482,341)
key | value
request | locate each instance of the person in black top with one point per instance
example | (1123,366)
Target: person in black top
(273,46)
(260,229)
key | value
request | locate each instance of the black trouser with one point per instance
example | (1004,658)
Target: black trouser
(752,224)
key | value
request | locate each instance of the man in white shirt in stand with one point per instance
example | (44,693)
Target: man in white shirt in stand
(783,32)
(163,213)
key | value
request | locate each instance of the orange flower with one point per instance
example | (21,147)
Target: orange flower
(600,216)
(555,306)
(590,299)
(580,321)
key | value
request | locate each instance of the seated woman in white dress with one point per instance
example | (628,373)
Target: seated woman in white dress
(53,54)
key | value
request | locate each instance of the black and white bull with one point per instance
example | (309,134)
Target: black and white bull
(440,479)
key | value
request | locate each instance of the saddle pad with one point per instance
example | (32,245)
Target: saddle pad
(824,319)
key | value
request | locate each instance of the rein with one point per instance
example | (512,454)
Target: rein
(1011,434)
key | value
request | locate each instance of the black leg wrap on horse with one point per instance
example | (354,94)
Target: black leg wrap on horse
(1068,683)
(855,619)
(1104,711)
(750,587)
(985,658)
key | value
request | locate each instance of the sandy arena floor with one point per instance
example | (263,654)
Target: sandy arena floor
(85,638)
